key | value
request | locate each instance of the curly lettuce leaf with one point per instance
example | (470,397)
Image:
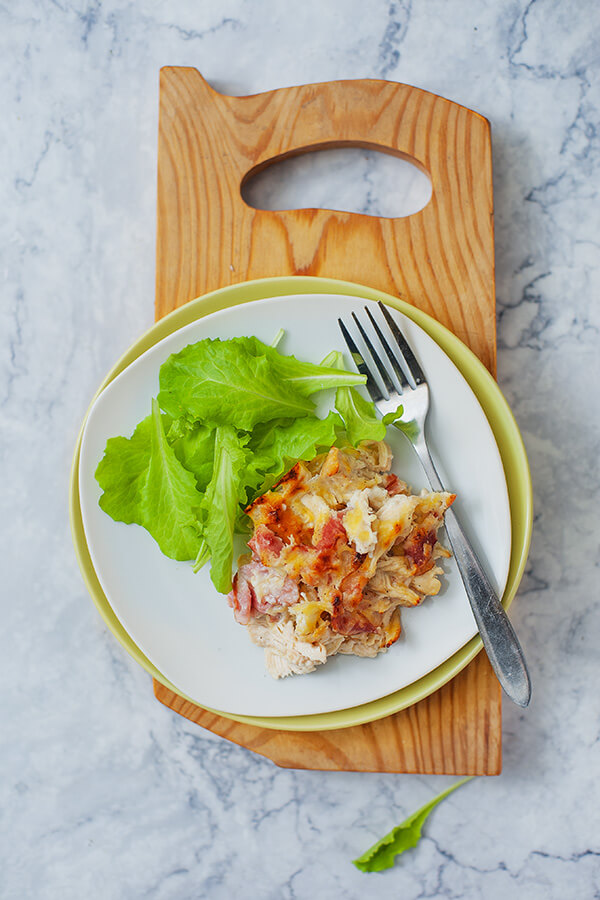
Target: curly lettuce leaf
(122,471)
(237,415)
(223,383)
(178,428)
(144,483)
(170,498)
(392,418)
(304,377)
(278,446)
(360,416)
(221,503)
(406,835)
(195,450)
(241,382)
(410,429)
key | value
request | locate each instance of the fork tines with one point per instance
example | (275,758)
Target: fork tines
(389,384)
(403,363)
(371,385)
(409,357)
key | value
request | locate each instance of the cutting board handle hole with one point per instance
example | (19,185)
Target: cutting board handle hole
(345,179)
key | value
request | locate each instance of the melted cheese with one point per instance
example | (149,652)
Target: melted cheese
(318,512)
(358,520)
(268,583)
(307,618)
(395,518)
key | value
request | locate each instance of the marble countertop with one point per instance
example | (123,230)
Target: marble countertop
(104,792)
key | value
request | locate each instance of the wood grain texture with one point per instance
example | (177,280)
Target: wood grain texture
(440,260)
(456,731)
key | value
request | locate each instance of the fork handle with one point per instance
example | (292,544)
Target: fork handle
(498,636)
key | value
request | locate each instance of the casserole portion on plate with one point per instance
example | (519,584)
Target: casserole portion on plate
(340,544)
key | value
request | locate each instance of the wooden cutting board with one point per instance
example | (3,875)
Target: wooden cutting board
(440,260)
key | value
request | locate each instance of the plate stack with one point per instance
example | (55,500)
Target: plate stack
(181,630)
(420,707)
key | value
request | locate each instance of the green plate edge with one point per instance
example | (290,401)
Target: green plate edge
(502,422)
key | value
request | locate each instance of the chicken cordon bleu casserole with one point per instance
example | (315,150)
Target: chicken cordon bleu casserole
(340,544)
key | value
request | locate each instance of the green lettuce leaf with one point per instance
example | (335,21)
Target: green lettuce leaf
(170,499)
(178,428)
(144,483)
(392,418)
(304,377)
(237,415)
(241,382)
(122,471)
(279,445)
(406,835)
(360,417)
(410,429)
(223,383)
(195,450)
(221,503)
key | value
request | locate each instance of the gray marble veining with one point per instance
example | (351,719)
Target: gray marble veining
(106,794)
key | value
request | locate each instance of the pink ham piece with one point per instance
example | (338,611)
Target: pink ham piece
(332,530)
(393,485)
(258,588)
(240,597)
(265,543)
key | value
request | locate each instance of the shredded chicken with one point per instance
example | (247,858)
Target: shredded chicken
(340,544)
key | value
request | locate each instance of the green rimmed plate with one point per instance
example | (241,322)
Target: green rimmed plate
(491,401)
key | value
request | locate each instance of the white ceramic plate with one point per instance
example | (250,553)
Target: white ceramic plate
(187,629)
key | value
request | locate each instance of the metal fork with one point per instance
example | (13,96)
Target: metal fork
(498,636)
